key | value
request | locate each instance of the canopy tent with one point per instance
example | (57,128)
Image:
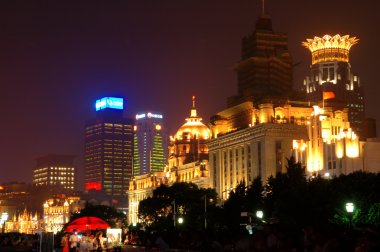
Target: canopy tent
(85,224)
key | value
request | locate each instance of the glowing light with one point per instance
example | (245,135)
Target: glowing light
(339,149)
(158,127)
(109,102)
(259,214)
(149,115)
(295,144)
(140,116)
(350,207)
(330,48)
(93,186)
(318,110)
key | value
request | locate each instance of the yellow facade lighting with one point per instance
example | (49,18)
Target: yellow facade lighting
(330,48)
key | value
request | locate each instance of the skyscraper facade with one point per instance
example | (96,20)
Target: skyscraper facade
(108,148)
(150,144)
(265,68)
(331,72)
(55,170)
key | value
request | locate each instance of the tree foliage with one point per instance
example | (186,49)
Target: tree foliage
(156,212)
(290,199)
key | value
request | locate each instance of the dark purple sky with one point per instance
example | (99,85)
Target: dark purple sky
(57,58)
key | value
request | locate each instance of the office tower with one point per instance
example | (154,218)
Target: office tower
(55,170)
(331,72)
(150,144)
(108,148)
(265,69)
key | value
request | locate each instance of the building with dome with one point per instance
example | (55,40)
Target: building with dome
(187,162)
(189,143)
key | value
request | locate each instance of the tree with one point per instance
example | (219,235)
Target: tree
(373,216)
(254,195)
(285,195)
(156,212)
(234,205)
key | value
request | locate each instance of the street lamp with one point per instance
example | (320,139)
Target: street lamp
(350,209)
(173,202)
(180,220)
(259,214)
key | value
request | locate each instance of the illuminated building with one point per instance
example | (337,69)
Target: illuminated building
(331,71)
(265,69)
(150,144)
(25,222)
(14,197)
(321,139)
(188,162)
(189,143)
(108,148)
(55,170)
(261,127)
(57,211)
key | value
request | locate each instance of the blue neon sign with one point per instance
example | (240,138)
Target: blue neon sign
(109,102)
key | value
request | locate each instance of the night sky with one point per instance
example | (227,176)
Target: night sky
(56,58)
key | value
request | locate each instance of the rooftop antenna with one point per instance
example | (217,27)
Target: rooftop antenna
(262,7)
(193,101)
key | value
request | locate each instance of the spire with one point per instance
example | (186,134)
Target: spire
(193,110)
(264,22)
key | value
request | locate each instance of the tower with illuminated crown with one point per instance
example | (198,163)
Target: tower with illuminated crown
(331,72)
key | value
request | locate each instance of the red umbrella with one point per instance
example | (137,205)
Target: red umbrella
(86,223)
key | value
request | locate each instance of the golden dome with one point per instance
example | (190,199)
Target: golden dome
(193,128)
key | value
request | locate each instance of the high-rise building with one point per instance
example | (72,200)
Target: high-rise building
(55,170)
(187,162)
(331,72)
(265,68)
(150,144)
(108,148)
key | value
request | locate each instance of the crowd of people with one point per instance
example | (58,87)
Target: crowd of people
(265,238)
(18,242)
(75,242)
